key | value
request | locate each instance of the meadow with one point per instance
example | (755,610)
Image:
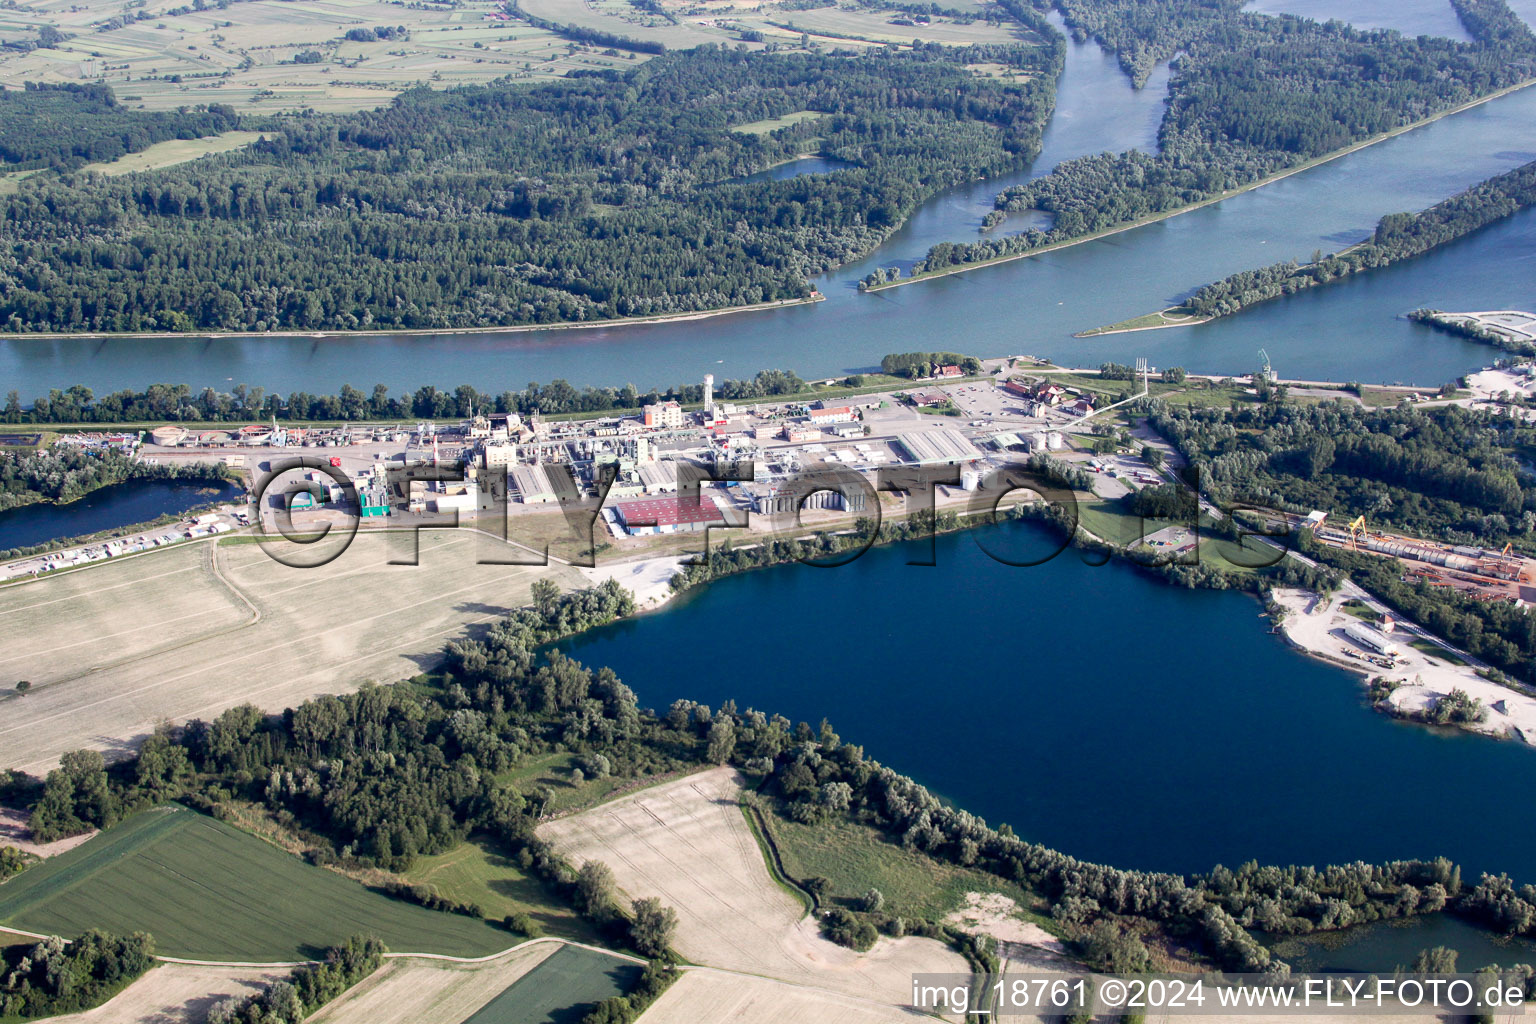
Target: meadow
(474,873)
(205,890)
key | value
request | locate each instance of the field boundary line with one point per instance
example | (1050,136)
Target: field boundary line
(444,957)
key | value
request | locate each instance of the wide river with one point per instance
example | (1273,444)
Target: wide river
(1352,331)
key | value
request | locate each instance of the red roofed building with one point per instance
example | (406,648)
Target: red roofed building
(672,514)
(833,414)
(949,371)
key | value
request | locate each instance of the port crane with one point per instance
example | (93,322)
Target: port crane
(1357,530)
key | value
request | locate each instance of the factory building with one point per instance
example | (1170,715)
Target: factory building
(945,446)
(1370,639)
(832,414)
(773,501)
(665,416)
(532,485)
(668,515)
(657,477)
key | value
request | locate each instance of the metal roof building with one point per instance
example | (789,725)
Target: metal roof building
(532,484)
(932,447)
(672,514)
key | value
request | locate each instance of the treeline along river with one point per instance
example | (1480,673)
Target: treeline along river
(1031,305)
(1095,709)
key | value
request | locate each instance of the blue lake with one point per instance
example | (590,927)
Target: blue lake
(1097,710)
(124,504)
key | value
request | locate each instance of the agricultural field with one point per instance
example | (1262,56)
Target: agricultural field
(244,54)
(688,23)
(856,858)
(409,991)
(688,843)
(473,873)
(207,891)
(173,152)
(736,999)
(560,988)
(176,994)
(193,630)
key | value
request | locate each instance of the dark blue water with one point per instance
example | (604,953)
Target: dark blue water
(796,168)
(1096,710)
(1381,947)
(124,504)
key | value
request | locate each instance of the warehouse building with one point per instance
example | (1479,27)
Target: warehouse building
(532,484)
(668,515)
(1370,639)
(945,446)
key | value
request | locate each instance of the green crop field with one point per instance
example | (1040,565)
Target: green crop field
(554,991)
(208,891)
(472,873)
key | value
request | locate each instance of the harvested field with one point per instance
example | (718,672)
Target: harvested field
(410,991)
(176,994)
(173,152)
(702,995)
(687,842)
(175,635)
(207,891)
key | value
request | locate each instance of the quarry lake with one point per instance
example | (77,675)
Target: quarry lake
(1096,709)
(125,504)
(1349,331)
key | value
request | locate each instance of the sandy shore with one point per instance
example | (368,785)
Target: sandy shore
(1315,624)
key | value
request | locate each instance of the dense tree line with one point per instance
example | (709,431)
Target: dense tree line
(66,126)
(915,365)
(64,473)
(1466,329)
(177,403)
(578,200)
(307,989)
(1253,94)
(1398,236)
(55,977)
(1445,472)
(581,34)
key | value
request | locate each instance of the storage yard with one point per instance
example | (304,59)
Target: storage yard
(1479,573)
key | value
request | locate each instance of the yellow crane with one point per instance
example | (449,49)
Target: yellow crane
(1357,530)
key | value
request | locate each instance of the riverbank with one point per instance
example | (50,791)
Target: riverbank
(1228,194)
(418,332)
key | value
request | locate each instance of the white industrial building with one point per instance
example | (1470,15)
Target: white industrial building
(937,447)
(532,484)
(1370,639)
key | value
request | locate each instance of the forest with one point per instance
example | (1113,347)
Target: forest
(1398,236)
(68,125)
(1446,473)
(1252,95)
(64,473)
(177,403)
(54,976)
(584,199)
